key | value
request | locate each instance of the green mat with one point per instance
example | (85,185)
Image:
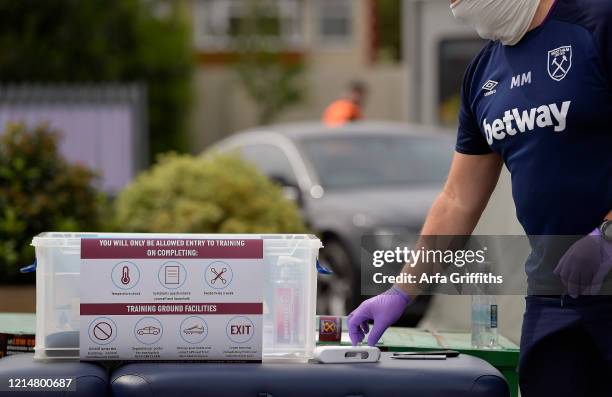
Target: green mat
(18,323)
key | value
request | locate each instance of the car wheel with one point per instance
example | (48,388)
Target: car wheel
(335,292)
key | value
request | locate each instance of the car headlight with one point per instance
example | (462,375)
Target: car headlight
(362,220)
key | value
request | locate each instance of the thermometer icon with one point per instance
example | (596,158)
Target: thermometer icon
(125,275)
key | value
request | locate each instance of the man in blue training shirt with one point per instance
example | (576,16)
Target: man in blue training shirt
(537,98)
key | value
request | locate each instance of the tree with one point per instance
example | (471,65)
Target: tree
(270,79)
(89,41)
(389,15)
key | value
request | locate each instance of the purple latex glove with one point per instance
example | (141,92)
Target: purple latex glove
(585,265)
(385,309)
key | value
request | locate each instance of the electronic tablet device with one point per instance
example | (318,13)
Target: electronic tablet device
(420,357)
(446,353)
(346,354)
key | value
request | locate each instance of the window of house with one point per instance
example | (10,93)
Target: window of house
(335,19)
(217,23)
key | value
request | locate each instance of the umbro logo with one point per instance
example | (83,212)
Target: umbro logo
(489,86)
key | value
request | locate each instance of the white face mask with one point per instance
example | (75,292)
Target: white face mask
(503,20)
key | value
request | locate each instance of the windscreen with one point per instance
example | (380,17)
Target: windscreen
(378,160)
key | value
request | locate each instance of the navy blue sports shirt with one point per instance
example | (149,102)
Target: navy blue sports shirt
(545,105)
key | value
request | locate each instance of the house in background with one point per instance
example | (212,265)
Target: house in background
(437,51)
(337,40)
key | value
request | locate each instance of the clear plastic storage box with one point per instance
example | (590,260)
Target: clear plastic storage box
(289,260)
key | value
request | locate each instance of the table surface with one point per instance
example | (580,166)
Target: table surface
(398,339)
(505,358)
(458,376)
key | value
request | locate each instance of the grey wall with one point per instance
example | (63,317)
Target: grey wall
(426,24)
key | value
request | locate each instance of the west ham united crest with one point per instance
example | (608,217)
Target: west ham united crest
(559,62)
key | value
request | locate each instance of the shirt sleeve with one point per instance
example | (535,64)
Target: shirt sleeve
(470,140)
(596,17)
(602,30)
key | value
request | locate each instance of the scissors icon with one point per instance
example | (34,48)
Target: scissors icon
(218,275)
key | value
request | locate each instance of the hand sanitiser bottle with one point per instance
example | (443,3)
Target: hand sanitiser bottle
(287,301)
(484,322)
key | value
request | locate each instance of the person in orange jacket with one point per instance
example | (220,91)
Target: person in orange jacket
(346,109)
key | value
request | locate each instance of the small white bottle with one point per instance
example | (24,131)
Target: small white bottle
(484,322)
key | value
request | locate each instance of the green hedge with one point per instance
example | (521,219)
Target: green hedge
(212,194)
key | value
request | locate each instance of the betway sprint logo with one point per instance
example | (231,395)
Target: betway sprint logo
(515,121)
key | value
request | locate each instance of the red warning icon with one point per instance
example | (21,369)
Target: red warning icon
(125,275)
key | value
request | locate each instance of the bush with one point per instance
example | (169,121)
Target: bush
(39,191)
(213,194)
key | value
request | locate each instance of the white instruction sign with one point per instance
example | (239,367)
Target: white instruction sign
(171,299)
